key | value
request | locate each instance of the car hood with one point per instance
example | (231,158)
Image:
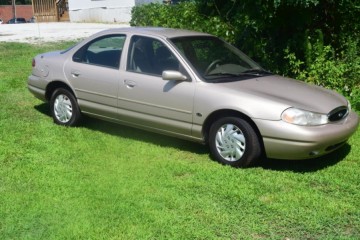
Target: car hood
(288,92)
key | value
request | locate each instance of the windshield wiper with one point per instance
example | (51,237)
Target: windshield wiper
(215,77)
(225,74)
(250,72)
(256,71)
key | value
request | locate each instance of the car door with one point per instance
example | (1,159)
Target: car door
(94,73)
(145,99)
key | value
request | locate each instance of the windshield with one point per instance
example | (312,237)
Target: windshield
(215,59)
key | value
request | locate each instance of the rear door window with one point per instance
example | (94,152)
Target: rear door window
(104,51)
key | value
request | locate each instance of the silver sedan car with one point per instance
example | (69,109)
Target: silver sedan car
(194,86)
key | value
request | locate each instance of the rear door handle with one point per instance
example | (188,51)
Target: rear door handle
(75,73)
(129,83)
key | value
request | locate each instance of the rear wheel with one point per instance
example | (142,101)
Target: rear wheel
(64,108)
(233,142)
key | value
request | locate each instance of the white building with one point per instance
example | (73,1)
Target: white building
(103,10)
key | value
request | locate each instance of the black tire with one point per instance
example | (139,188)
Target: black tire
(232,141)
(64,108)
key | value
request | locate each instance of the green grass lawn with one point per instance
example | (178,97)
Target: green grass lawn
(106,181)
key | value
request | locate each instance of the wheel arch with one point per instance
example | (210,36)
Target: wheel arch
(52,86)
(229,113)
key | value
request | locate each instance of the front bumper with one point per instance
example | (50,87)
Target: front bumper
(287,141)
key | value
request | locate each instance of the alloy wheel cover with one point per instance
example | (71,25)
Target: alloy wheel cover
(63,108)
(230,142)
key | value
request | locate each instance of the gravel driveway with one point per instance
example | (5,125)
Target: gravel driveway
(50,32)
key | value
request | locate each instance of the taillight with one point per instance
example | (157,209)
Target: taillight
(33,63)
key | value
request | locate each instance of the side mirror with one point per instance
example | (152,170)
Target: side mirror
(173,75)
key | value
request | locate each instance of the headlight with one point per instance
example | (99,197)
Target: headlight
(304,118)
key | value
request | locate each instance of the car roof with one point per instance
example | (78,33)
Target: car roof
(155,31)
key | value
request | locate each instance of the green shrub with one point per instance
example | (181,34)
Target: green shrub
(184,15)
(323,67)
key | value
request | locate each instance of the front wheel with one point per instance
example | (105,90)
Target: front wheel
(233,142)
(64,108)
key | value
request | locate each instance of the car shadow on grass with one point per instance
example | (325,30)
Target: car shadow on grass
(299,166)
(308,165)
(133,133)
(143,135)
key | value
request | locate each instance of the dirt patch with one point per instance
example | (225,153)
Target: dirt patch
(51,32)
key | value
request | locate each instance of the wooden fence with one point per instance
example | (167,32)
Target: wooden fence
(45,10)
(49,10)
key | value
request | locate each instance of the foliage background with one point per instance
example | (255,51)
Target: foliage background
(312,40)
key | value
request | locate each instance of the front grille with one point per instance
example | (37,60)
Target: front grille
(338,113)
